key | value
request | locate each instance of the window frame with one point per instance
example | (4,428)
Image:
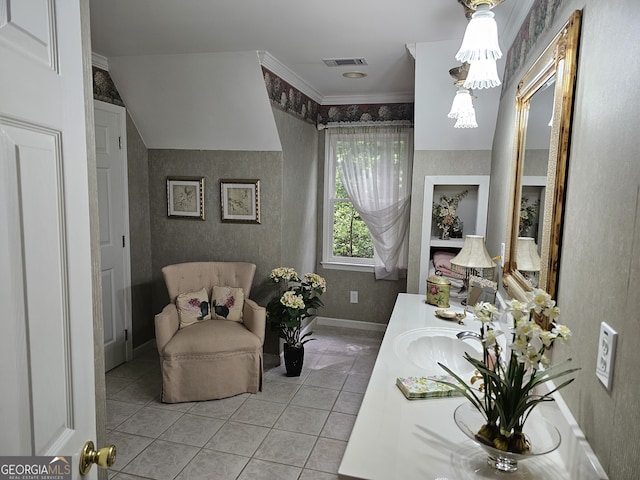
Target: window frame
(329,260)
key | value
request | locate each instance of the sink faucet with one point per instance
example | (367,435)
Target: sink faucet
(463,335)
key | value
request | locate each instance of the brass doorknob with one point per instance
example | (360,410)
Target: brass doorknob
(104,458)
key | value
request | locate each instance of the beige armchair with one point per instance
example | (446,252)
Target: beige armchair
(214,358)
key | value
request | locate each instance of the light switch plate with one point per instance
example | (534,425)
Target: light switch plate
(353,296)
(606,354)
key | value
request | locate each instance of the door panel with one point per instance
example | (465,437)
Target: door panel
(46,332)
(28,26)
(112,201)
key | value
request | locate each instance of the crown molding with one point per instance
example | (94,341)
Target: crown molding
(285,73)
(514,22)
(411,49)
(403,97)
(99,61)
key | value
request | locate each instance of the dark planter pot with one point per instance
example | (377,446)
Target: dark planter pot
(293,359)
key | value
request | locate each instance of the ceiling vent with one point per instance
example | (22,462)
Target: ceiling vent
(341,62)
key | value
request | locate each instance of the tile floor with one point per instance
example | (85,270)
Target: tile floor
(296,428)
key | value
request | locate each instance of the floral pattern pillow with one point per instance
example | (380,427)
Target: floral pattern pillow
(227,303)
(193,307)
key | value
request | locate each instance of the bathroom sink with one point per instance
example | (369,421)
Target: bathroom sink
(425,347)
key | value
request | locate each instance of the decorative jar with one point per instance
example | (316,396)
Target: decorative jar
(438,290)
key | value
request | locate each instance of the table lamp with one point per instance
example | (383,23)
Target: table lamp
(473,259)
(528,259)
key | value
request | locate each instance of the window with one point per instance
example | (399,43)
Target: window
(366,212)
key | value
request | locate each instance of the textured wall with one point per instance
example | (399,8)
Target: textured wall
(178,240)
(600,257)
(436,162)
(140,236)
(299,141)
(376,297)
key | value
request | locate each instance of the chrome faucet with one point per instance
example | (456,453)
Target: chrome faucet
(463,335)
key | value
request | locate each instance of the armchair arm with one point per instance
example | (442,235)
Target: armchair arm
(254,318)
(167,323)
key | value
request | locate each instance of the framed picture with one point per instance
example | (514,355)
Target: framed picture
(240,200)
(185,197)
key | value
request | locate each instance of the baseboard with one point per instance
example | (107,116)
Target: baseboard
(144,348)
(340,322)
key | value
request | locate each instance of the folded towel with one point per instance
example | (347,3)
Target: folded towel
(456,282)
(442,263)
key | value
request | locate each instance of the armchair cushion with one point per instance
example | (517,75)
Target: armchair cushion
(193,307)
(232,301)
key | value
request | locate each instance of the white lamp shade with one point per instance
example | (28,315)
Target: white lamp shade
(466,120)
(473,255)
(461,103)
(480,40)
(527,258)
(482,74)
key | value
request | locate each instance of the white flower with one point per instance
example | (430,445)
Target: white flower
(517,309)
(291,300)
(540,300)
(490,337)
(316,281)
(284,273)
(524,327)
(562,332)
(484,311)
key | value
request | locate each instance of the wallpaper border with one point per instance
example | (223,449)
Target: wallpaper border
(538,21)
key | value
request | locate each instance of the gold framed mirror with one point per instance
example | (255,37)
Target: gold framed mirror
(544,103)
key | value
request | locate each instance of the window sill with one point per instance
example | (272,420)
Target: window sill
(354,267)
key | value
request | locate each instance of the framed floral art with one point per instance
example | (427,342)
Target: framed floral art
(185,197)
(240,200)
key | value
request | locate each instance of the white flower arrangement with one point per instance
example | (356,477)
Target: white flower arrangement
(506,391)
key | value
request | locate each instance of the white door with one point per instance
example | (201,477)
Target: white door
(46,332)
(114,233)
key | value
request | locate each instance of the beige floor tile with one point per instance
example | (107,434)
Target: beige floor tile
(326,455)
(210,465)
(261,470)
(315,397)
(302,420)
(161,460)
(288,448)
(238,438)
(192,430)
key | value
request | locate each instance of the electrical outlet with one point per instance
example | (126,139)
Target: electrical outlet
(353,296)
(606,354)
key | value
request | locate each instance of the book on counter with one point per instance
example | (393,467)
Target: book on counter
(427,387)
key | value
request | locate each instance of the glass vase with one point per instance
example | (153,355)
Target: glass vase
(542,435)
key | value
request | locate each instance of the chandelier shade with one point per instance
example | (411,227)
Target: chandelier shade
(480,40)
(482,74)
(466,120)
(461,103)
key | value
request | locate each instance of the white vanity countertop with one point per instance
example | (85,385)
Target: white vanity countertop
(395,438)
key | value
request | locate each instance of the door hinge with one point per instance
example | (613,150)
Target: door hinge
(126,334)
(120,143)
(122,241)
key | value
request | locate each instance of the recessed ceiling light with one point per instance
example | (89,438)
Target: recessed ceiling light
(354,74)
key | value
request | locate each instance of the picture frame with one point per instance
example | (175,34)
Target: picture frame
(185,197)
(240,200)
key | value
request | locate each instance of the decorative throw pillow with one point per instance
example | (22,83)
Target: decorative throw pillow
(193,307)
(227,303)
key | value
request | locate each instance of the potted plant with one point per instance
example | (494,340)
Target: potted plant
(504,389)
(296,300)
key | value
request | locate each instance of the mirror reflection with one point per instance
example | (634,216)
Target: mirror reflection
(544,102)
(536,161)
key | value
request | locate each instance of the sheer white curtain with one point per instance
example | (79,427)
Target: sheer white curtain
(375,166)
